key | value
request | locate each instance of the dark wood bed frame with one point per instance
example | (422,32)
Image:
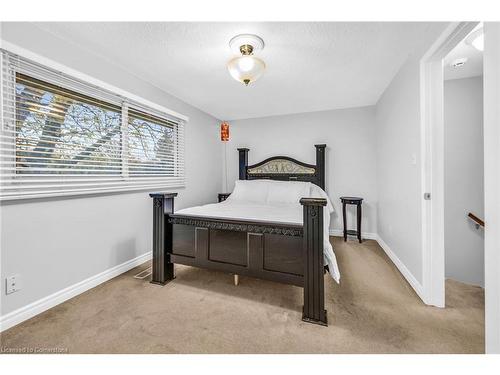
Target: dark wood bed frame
(291,254)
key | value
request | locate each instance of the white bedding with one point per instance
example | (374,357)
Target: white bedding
(265,210)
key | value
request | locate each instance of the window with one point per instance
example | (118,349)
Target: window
(61,136)
(152,145)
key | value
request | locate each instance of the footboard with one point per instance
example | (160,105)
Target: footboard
(268,251)
(291,254)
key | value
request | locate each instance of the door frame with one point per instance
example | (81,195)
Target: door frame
(492,185)
(432,160)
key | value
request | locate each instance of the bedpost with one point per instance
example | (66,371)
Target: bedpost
(162,268)
(243,162)
(320,165)
(314,293)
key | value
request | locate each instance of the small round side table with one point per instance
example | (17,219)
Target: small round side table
(357,202)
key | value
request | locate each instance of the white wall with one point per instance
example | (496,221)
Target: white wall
(350,155)
(399,216)
(463,179)
(492,184)
(55,243)
(398,173)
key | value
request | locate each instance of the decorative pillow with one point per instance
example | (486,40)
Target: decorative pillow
(287,191)
(250,191)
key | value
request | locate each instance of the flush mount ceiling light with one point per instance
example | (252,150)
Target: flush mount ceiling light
(476,39)
(457,63)
(246,68)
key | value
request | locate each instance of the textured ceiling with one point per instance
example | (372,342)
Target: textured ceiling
(472,68)
(310,66)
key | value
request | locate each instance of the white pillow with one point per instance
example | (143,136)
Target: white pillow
(287,191)
(249,191)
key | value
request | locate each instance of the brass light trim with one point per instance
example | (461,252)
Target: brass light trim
(246,49)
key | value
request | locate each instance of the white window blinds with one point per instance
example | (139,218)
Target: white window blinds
(61,136)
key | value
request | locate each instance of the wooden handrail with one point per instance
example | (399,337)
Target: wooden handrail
(475,219)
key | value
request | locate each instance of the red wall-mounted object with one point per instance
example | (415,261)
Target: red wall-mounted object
(224,132)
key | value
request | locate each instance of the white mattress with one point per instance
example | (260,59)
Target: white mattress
(286,213)
(281,213)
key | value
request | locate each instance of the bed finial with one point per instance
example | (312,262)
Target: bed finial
(320,164)
(243,163)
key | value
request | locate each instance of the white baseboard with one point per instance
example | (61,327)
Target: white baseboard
(365,235)
(415,284)
(43,304)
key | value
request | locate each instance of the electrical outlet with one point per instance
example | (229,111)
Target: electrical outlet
(12,284)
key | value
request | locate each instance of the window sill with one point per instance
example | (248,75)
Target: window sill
(88,193)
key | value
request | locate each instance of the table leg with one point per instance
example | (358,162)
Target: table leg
(345,223)
(359,222)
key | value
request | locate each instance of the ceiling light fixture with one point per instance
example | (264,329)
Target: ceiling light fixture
(457,63)
(246,68)
(476,39)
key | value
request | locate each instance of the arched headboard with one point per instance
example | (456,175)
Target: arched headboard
(284,168)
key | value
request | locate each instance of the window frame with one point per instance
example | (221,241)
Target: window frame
(128,102)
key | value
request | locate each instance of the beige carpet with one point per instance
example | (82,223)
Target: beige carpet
(373,311)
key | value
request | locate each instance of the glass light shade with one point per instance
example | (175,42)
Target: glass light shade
(246,68)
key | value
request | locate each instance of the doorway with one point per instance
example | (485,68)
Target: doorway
(432,168)
(464,165)
(432,160)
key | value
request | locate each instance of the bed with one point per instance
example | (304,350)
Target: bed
(273,226)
